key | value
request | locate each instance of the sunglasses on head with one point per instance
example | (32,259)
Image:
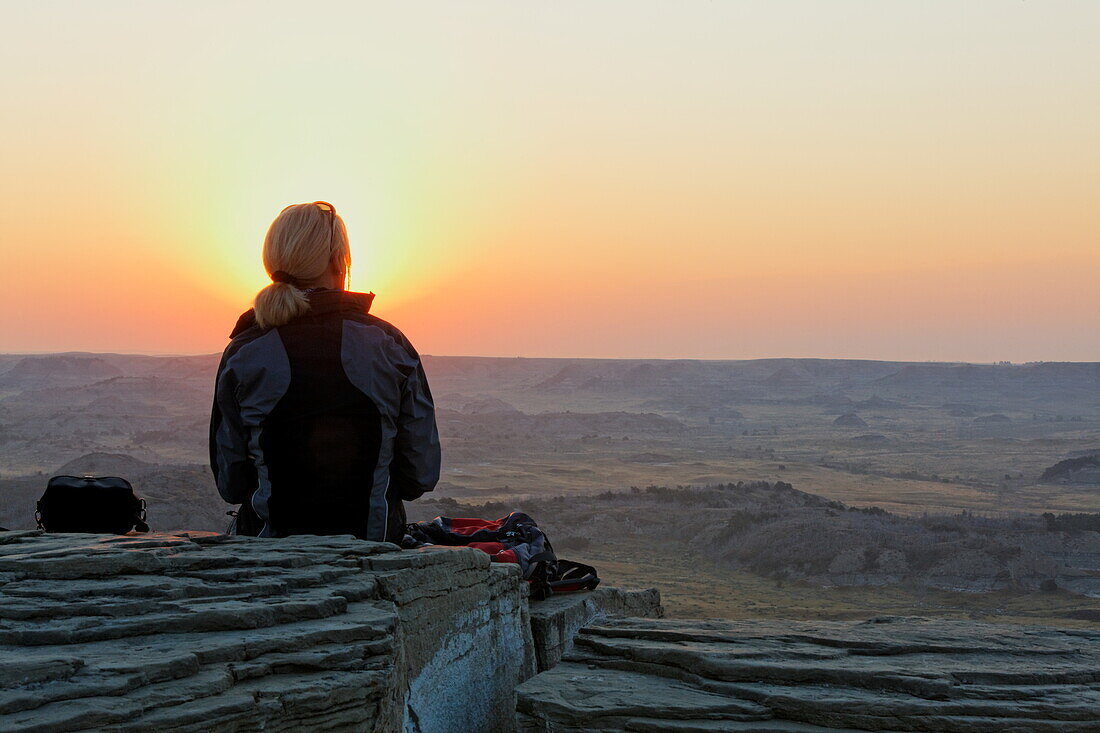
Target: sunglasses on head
(324,206)
(328,208)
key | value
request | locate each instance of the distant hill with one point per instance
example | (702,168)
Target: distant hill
(488,406)
(788,377)
(998,377)
(1079,470)
(850,420)
(104,464)
(58,369)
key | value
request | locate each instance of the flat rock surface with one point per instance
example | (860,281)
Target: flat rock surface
(890,674)
(199,631)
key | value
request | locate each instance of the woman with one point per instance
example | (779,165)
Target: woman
(323,422)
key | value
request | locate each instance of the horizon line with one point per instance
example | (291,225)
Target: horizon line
(178,355)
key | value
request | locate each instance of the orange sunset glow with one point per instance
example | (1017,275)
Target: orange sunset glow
(642,179)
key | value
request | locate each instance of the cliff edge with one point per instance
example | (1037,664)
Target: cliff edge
(195,631)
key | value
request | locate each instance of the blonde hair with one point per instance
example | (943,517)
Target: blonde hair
(301,244)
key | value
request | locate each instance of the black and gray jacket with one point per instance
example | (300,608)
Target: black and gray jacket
(325,424)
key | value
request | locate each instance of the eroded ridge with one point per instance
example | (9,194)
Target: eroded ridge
(198,631)
(896,674)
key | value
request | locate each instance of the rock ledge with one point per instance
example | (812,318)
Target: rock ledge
(895,674)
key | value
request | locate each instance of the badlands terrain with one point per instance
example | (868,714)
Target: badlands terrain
(779,487)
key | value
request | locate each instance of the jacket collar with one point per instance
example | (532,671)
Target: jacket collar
(321,300)
(326,300)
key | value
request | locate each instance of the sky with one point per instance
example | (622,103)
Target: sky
(875,179)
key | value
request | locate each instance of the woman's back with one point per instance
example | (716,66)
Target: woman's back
(325,423)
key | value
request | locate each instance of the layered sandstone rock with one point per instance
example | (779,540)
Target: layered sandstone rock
(197,631)
(556,620)
(687,676)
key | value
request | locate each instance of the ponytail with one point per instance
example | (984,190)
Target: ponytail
(278,304)
(301,244)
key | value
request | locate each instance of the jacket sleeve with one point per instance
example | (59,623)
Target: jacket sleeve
(416,460)
(234,472)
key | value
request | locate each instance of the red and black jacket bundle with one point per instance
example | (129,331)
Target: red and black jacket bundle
(515,538)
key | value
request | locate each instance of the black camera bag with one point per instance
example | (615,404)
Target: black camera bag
(95,504)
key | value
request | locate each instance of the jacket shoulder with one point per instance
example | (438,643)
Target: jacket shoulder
(387,328)
(246,321)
